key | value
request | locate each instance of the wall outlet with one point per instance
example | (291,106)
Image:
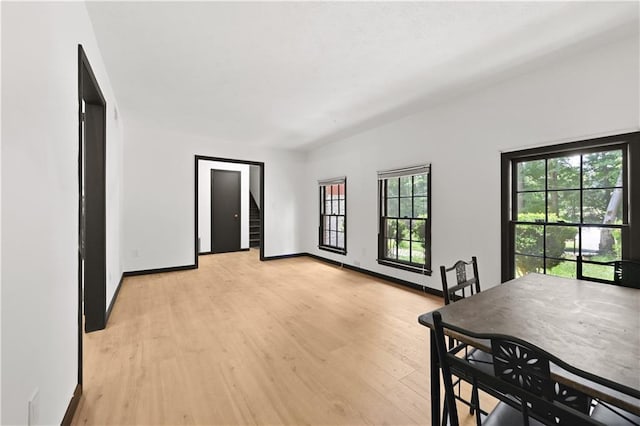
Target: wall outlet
(33,416)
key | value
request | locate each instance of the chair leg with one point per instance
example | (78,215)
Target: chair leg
(475,403)
(445,414)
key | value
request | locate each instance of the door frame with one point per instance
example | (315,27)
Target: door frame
(89,91)
(211,179)
(197,158)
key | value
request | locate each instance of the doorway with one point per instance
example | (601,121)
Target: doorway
(225,211)
(91,204)
(227,219)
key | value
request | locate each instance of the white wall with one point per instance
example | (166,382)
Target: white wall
(254,183)
(592,94)
(204,201)
(40,202)
(159,194)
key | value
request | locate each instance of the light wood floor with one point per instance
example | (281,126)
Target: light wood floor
(244,342)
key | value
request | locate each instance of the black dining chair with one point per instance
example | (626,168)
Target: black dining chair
(465,286)
(467,283)
(521,379)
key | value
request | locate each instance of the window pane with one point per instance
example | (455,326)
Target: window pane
(341,191)
(527,264)
(391,228)
(530,206)
(563,206)
(327,207)
(340,240)
(602,206)
(603,272)
(392,207)
(333,238)
(420,185)
(417,254)
(405,207)
(326,223)
(602,169)
(403,229)
(530,175)
(390,249)
(405,186)
(325,238)
(561,242)
(340,227)
(333,223)
(420,207)
(404,252)
(601,244)
(562,268)
(529,239)
(342,205)
(392,187)
(334,206)
(563,173)
(418,230)
(334,191)
(327,192)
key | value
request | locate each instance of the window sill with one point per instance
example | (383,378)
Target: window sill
(403,266)
(333,250)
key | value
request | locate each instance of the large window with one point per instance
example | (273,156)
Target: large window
(333,215)
(404,237)
(567,211)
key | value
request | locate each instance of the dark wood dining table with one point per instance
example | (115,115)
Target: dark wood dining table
(591,326)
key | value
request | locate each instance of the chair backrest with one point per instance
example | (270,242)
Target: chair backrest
(464,286)
(626,273)
(521,371)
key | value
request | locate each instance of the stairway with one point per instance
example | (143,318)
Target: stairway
(254,223)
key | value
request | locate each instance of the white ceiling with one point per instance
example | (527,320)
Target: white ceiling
(297,74)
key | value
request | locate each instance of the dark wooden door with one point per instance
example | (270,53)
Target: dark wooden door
(225,211)
(94,235)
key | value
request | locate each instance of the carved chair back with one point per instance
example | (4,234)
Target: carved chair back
(464,286)
(521,375)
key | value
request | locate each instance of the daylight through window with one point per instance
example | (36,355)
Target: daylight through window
(333,215)
(405,226)
(569,209)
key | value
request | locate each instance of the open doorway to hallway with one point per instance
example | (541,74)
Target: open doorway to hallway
(229,200)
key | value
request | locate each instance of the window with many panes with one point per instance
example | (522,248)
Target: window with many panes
(333,215)
(569,209)
(404,238)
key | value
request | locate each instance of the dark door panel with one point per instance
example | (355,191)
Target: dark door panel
(94,234)
(225,211)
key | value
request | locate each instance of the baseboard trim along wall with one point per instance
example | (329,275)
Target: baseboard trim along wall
(394,280)
(159,270)
(284,256)
(206,253)
(113,301)
(73,405)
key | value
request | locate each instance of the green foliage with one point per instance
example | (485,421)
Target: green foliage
(530,240)
(562,178)
(419,230)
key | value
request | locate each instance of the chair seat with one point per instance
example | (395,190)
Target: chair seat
(482,360)
(506,415)
(608,417)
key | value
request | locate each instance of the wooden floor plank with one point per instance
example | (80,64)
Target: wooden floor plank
(243,342)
